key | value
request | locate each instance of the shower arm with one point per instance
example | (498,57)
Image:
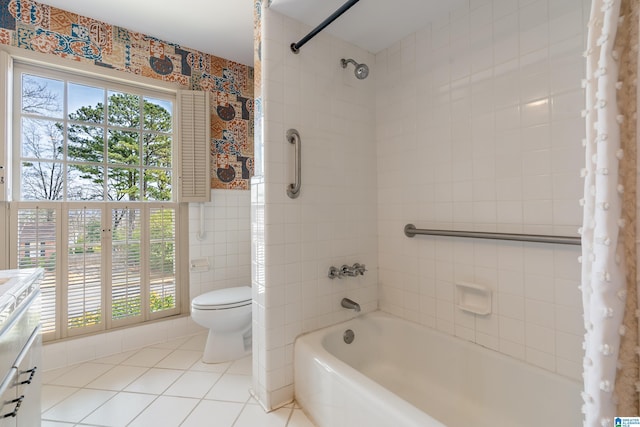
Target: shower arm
(349,61)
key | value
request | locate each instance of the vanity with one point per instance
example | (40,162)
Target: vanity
(20,347)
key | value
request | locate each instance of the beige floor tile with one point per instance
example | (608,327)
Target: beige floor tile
(299,419)
(120,410)
(54,394)
(46,423)
(254,415)
(116,359)
(147,357)
(210,367)
(165,411)
(203,415)
(52,374)
(231,388)
(117,378)
(180,359)
(242,366)
(193,384)
(154,381)
(196,342)
(81,375)
(78,405)
(173,344)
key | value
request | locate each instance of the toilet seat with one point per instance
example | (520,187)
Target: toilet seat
(223,299)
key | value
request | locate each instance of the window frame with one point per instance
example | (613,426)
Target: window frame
(149,90)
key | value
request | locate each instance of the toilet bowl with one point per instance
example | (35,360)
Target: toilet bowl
(227,315)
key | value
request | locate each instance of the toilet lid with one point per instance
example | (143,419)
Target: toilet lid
(223,298)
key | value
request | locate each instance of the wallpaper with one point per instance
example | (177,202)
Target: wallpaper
(34,26)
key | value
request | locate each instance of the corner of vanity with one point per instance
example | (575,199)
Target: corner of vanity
(20,347)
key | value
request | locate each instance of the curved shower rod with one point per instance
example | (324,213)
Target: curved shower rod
(295,47)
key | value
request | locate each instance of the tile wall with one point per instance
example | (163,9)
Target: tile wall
(225,246)
(334,221)
(478,127)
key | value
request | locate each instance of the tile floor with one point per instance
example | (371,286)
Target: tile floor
(164,385)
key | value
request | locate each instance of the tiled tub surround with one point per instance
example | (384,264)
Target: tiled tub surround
(443,381)
(334,221)
(481,113)
(163,385)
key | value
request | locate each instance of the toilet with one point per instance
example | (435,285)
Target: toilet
(227,315)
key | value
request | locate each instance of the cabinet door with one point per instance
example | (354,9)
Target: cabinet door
(29,382)
(9,401)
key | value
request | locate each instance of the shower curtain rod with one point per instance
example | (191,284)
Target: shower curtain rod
(295,47)
(410,230)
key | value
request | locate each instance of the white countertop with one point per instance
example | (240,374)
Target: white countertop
(14,287)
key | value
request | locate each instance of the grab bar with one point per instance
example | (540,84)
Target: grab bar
(410,230)
(293,190)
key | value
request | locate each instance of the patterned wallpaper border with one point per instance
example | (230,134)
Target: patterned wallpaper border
(34,26)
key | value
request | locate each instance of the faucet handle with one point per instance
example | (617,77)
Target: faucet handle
(359,268)
(334,272)
(345,270)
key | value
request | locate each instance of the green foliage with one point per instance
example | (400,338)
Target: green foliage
(123,307)
(130,149)
(89,318)
(159,303)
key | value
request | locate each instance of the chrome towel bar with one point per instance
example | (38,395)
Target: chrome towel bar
(410,230)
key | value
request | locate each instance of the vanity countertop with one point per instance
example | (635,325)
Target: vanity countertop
(15,286)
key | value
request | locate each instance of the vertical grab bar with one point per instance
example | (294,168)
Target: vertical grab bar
(293,190)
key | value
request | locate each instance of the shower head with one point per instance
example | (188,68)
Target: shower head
(361,71)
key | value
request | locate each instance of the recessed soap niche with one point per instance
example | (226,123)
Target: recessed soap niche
(473,298)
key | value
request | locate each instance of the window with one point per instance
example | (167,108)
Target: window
(94,202)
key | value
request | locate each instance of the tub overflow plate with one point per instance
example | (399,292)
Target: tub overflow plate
(349,336)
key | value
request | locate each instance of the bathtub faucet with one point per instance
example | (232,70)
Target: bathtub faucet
(345,270)
(350,304)
(359,268)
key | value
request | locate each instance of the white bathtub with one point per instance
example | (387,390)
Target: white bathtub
(397,373)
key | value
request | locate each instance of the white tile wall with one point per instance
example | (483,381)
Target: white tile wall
(478,127)
(334,221)
(225,245)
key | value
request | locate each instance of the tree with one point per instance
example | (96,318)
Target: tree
(138,152)
(41,139)
(42,180)
(130,150)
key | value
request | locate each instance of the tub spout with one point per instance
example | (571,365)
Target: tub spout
(350,304)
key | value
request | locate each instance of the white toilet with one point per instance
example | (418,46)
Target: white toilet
(227,315)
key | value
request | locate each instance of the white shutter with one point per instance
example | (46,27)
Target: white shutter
(193,145)
(6,77)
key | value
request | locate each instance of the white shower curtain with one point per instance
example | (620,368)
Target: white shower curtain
(603,271)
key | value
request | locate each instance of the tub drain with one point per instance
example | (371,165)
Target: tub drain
(349,336)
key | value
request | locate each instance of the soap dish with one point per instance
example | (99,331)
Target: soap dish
(473,298)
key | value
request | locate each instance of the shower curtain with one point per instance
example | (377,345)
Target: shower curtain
(609,284)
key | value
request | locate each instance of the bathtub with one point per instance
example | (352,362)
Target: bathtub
(396,373)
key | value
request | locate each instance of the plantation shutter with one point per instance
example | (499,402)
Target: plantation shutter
(162,264)
(36,243)
(193,134)
(84,274)
(6,71)
(126,263)
(6,77)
